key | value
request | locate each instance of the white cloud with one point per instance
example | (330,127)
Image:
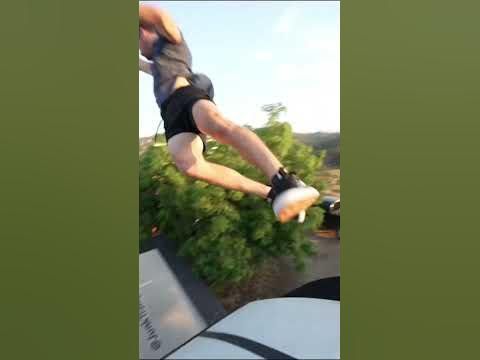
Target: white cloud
(315,108)
(312,106)
(311,90)
(148,112)
(323,39)
(248,113)
(263,55)
(286,21)
(307,74)
(286,72)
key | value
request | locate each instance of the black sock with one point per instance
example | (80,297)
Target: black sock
(281,171)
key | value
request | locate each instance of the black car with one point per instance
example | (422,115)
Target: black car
(331,206)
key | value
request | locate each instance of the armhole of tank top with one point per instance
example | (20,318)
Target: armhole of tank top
(161,36)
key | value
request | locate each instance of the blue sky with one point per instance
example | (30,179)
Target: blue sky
(260,52)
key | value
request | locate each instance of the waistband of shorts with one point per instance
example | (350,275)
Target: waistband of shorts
(179,92)
(181,98)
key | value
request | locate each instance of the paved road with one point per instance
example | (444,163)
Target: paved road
(280,277)
(326,263)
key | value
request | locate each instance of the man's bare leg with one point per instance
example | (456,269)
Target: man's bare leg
(209,121)
(186,150)
(290,197)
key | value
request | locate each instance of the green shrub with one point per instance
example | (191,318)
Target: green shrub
(226,234)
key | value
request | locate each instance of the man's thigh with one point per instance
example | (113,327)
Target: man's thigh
(209,120)
(185,147)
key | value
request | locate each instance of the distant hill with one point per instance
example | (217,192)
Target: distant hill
(318,140)
(324,141)
(144,143)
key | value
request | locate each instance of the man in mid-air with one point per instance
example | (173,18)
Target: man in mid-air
(189,114)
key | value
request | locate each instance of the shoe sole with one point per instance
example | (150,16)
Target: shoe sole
(292,202)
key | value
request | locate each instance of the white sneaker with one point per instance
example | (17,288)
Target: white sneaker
(290,197)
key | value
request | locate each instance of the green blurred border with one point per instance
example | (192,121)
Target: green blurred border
(69,142)
(69,180)
(410,129)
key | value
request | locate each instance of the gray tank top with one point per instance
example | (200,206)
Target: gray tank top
(169,61)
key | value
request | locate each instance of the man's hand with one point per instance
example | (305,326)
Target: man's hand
(158,19)
(144,65)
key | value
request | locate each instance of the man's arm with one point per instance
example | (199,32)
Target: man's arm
(160,20)
(144,65)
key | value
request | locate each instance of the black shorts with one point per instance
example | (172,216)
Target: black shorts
(177,114)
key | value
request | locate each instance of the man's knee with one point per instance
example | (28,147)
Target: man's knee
(212,122)
(225,131)
(189,167)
